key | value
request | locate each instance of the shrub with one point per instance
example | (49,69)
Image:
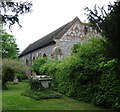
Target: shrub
(21,76)
(37,64)
(109,91)
(50,69)
(37,91)
(35,84)
(9,68)
(89,74)
(37,95)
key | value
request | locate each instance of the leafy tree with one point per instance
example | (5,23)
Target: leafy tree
(10,11)
(9,46)
(9,14)
(10,68)
(107,23)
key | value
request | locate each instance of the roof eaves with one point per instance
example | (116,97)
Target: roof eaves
(49,38)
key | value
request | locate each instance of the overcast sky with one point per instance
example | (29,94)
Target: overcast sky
(48,15)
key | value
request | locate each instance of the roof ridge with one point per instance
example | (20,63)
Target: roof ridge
(48,34)
(69,25)
(76,18)
(49,37)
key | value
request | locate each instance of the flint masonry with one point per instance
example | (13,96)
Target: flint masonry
(57,44)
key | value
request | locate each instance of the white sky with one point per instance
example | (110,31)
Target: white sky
(48,15)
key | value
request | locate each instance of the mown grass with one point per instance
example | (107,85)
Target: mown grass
(13,100)
(0,98)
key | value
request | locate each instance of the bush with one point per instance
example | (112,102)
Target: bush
(21,76)
(89,74)
(37,95)
(109,91)
(50,69)
(35,84)
(37,64)
(9,68)
(37,91)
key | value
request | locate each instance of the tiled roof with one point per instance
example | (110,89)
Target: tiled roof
(48,39)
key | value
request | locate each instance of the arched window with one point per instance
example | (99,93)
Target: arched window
(27,62)
(33,58)
(44,55)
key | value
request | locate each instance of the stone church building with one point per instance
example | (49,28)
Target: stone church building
(57,44)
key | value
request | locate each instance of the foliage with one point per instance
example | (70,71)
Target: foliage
(37,91)
(75,48)
(108,92)
(108,24)
(45,94)
(50,69)
(9,46)
(12,97)
(9,68)
(89,74)
(10,11)
(37,64)
(21,76)
(35,84)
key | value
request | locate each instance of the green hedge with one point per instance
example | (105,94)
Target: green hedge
(89,74)
(37,64)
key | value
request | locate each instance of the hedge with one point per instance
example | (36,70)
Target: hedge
(88,75)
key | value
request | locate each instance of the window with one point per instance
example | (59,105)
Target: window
(44,55)
(33,58)
(27,62)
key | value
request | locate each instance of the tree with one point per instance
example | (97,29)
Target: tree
(9,46)
(10,11)
(9,14)
(107,23)
(10,68)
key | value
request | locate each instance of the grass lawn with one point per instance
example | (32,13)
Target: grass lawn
(12,100)
(0,99)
